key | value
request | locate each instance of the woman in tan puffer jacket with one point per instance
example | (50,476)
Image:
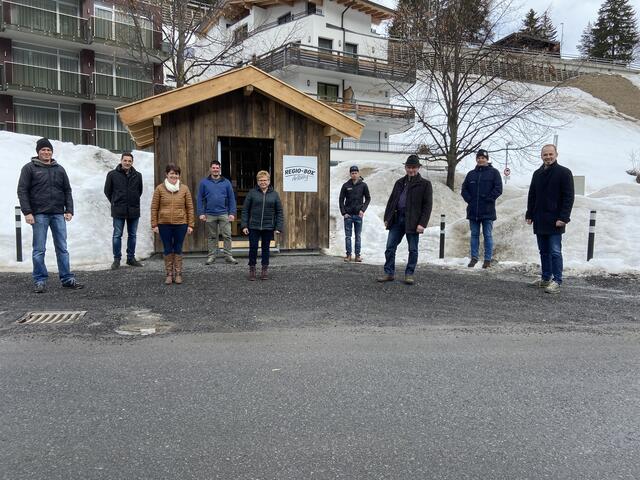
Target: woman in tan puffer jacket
(172,216)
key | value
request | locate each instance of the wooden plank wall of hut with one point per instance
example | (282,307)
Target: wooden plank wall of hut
(189,137)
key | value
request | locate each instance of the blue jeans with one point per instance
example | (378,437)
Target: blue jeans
(354,222)
(58,226)
(396,232)
(487,229)
(172,237)
(265,237)
(118,230)
(550,247)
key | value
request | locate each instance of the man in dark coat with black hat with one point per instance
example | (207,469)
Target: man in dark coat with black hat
(123,188)
(407,213)
(45,198)
(549,207)
(480,189)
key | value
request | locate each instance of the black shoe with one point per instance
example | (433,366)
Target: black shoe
(472,263)
(73,285)
(39,287)
(116,264)
(132,262)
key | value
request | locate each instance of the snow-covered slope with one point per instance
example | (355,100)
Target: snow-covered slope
(596,143)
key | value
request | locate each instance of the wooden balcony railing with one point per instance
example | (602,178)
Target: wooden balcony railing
(337,61)
(363,108)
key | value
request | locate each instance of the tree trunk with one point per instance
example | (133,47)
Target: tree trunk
(452,162)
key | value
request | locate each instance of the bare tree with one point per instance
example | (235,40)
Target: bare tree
(184,36)
(469,94)
(634,171)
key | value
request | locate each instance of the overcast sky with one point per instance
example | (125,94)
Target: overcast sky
(574,14)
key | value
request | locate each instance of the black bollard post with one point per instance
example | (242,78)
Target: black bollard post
(442,224)
(592,234)
(18,234)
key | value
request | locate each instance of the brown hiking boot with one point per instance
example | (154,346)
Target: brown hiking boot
(168,268)
(177,265)
(358,259)
(385,278)
(264,273)
(486,264)
(347,258)
(408,279)
(252,273)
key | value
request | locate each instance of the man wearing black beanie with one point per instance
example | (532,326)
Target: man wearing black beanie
(45,198)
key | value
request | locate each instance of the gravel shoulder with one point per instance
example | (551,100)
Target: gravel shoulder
(318,292)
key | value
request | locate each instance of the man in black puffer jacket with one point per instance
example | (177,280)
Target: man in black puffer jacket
(480,189)
(407,213)
(549,206)
(354,200)
(45,198)
(123,188)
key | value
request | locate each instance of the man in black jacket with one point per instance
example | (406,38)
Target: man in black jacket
(549,207)
(480,189)
(354,200)
(45,198)
(407,213)
(123,188)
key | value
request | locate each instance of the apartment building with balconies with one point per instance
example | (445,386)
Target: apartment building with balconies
(328,49)
(67,63)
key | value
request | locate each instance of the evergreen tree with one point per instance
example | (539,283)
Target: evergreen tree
(615,34)
(547,30)
(586,41)
(411,20)
(531,24)
(420,18)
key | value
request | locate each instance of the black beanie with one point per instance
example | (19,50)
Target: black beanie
(43,143)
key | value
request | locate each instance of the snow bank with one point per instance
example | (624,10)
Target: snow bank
(618,231)
(89,232)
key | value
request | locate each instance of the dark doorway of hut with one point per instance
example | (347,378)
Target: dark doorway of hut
(242,159)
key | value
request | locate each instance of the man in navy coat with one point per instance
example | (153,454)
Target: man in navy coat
(549,207)
(480,189)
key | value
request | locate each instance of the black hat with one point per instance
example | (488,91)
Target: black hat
(482,153)
(354,168)
(413,161)
(43,143)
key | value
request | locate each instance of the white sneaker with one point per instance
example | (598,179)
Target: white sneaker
(540,283)
(553,287)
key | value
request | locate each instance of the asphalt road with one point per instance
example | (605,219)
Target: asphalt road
(322,373)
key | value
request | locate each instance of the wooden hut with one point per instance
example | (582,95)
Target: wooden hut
(250,121)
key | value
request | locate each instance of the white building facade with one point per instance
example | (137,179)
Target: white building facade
(327,49)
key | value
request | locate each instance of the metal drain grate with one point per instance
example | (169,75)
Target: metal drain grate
(51,318)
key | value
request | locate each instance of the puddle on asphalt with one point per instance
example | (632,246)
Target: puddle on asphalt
(143,323)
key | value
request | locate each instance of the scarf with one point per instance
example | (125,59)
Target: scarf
(171,187)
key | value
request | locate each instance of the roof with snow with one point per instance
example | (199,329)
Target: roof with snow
(141,116)
(527,41)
